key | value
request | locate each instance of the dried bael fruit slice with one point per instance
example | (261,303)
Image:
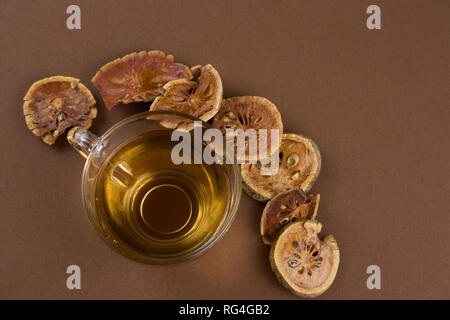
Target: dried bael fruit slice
(54,104)
(199,98)
(249,112)
(302,263)
(285,208)
(299,167)
(137,77)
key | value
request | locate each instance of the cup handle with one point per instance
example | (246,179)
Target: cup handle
(82,140)
(85,141)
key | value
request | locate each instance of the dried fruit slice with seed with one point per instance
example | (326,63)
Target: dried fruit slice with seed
(199,98)
(54,104)
(301,262)
(299,167)
(137,77)
(285,208)
(249,112)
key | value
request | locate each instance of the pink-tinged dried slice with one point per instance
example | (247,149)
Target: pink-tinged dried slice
(200,98)
(245,113)
(299,167)
(137,77)
(303,263)
(54,104)
(285,208)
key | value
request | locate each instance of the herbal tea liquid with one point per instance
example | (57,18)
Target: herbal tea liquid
(147,204)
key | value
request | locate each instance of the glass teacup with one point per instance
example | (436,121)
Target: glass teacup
(141,203)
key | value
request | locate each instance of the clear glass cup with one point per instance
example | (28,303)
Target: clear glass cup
(99,151)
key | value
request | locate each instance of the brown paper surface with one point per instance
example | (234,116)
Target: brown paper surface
(375,102)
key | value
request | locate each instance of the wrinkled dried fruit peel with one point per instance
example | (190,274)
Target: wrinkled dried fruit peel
(137,77)
(200,98)
(285,208)
(53,105)
(301,262)
(299,168)
(249,112)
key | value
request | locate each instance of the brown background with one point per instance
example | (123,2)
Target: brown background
(376,103)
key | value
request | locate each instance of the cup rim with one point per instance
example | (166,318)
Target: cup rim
(218,233)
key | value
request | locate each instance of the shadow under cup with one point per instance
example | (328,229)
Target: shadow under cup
(145,206)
